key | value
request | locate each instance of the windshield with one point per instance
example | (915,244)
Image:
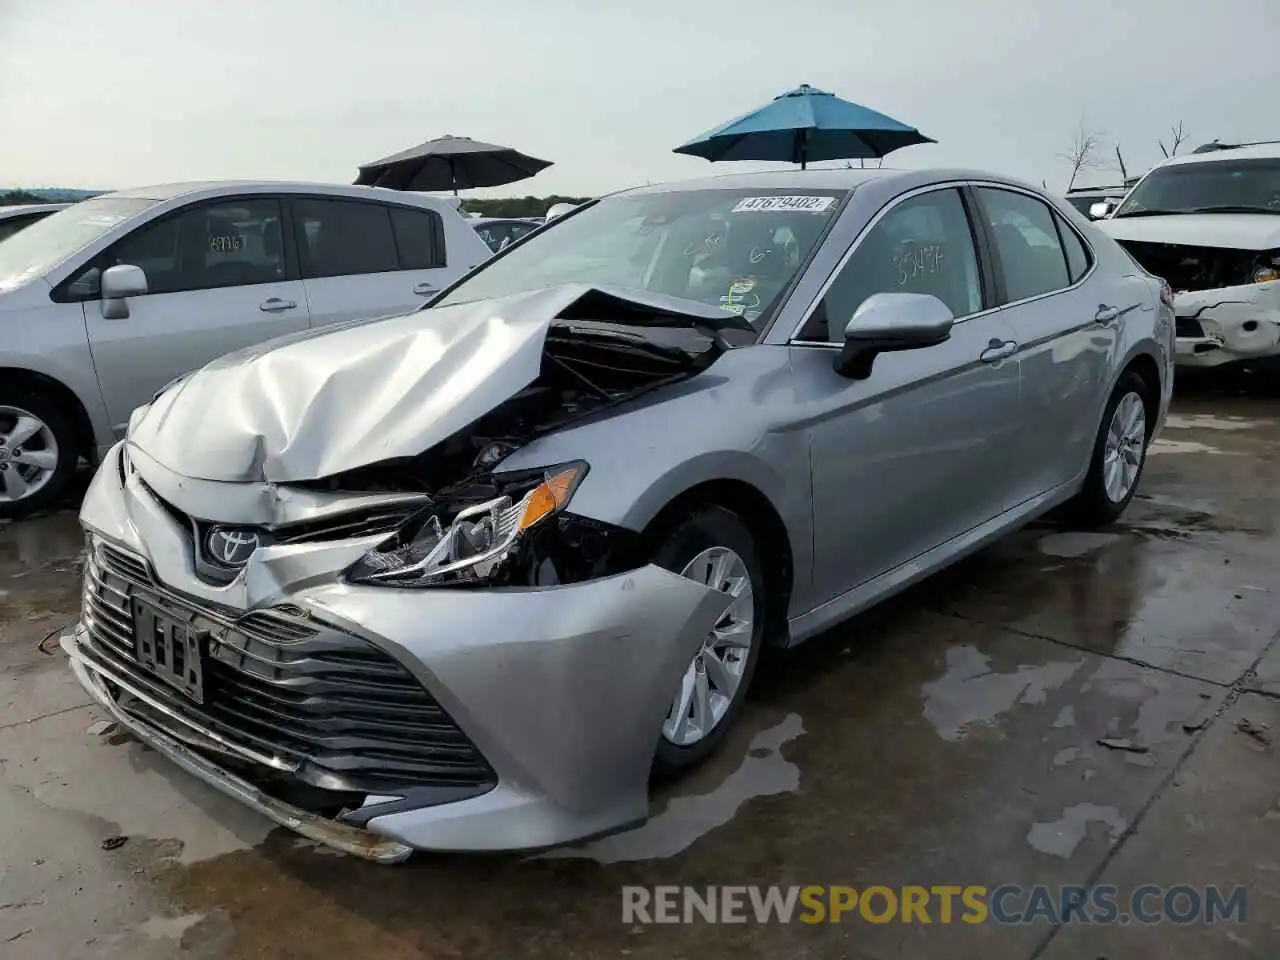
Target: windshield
(30,252)
(732,249)
(1232,186)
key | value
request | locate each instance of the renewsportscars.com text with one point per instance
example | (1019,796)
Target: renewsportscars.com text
(1008,904)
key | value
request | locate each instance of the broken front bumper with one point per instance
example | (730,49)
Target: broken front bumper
(1216,327)
(379,720)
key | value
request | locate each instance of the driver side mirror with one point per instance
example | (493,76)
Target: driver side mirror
(889,322)
(1103,209)
(118,284)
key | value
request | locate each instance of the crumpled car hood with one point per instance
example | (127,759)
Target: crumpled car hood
(1232,231)
(335,399)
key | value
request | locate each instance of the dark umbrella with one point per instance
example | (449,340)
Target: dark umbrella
(805,124)
(450,163)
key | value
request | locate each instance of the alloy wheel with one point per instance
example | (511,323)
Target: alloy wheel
(713,679)
(28,454)
(1126,445)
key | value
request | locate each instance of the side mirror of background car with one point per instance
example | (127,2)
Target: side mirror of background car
(1103,209)
(118,284)
(887,322)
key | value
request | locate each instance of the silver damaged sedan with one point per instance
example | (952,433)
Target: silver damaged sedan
(465,578)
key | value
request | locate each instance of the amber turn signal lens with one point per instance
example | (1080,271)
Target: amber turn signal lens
(550,495)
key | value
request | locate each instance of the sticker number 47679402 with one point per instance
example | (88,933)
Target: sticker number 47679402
(809,204)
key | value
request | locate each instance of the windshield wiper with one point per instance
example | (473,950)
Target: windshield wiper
(1146,213)
(1236,208)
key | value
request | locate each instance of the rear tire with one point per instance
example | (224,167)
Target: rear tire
(38,452)
(1119,455)
(713,545)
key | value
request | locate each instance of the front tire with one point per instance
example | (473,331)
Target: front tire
(713,546)
(1119,455)
(38,452)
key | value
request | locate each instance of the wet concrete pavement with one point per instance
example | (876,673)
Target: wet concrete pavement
(949,737)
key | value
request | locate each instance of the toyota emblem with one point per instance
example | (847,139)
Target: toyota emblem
(231,547)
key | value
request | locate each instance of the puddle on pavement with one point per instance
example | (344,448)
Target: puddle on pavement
(970,693)
(1186,446)
(1206,421)
(169,928)
(52,541)
(764,772)
(1069,755)
(1074,545)
(1059,838)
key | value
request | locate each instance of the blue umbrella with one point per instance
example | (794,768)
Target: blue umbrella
(805,124)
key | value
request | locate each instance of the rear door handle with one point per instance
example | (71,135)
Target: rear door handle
(1106,314)
(275,305)
(423,289)
(998,350)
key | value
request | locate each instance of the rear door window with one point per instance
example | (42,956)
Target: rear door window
(342,238)
(1026,243)
(1078,259)
(419,236)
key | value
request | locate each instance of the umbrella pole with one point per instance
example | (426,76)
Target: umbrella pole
(804,149)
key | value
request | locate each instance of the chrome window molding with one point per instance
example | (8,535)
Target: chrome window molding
(919,191)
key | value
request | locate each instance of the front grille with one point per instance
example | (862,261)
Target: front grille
(335,706)
(1187,327)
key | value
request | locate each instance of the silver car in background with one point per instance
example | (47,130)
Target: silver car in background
(106,301)
(462,579)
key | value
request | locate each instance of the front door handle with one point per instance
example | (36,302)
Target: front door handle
(1106,314)
(424,289)
(998,350)
(275,305)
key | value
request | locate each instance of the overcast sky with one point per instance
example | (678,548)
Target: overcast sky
(114,94)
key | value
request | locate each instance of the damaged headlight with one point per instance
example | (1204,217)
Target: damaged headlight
(476,542)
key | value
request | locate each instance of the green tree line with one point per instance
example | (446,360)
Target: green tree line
(14,197)
(517,206)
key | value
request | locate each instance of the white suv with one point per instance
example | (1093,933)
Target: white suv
(105,302)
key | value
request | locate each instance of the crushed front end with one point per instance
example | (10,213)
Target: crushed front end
(421,652)
(1227,301)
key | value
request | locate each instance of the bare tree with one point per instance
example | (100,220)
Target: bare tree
(1083,152)
(1177,136)
(1124,171)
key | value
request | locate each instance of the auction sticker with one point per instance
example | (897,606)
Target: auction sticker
(809,204)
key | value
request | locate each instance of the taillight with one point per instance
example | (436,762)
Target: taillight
(1166,294)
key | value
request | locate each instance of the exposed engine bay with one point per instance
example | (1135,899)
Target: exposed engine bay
(1204,268)
(477,527)
(1227,301)
(588,368)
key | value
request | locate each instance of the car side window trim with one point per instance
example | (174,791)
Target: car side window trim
(1063,228)
(62,292)
(1056,216)
(440,250)
(978,247)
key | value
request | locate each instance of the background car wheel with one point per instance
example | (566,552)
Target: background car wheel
(38,452)
(1119,455)
(713,546)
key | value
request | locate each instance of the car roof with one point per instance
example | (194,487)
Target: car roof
(820,179)
(216,188)
(18,209)
(1257,151)
(840,178)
